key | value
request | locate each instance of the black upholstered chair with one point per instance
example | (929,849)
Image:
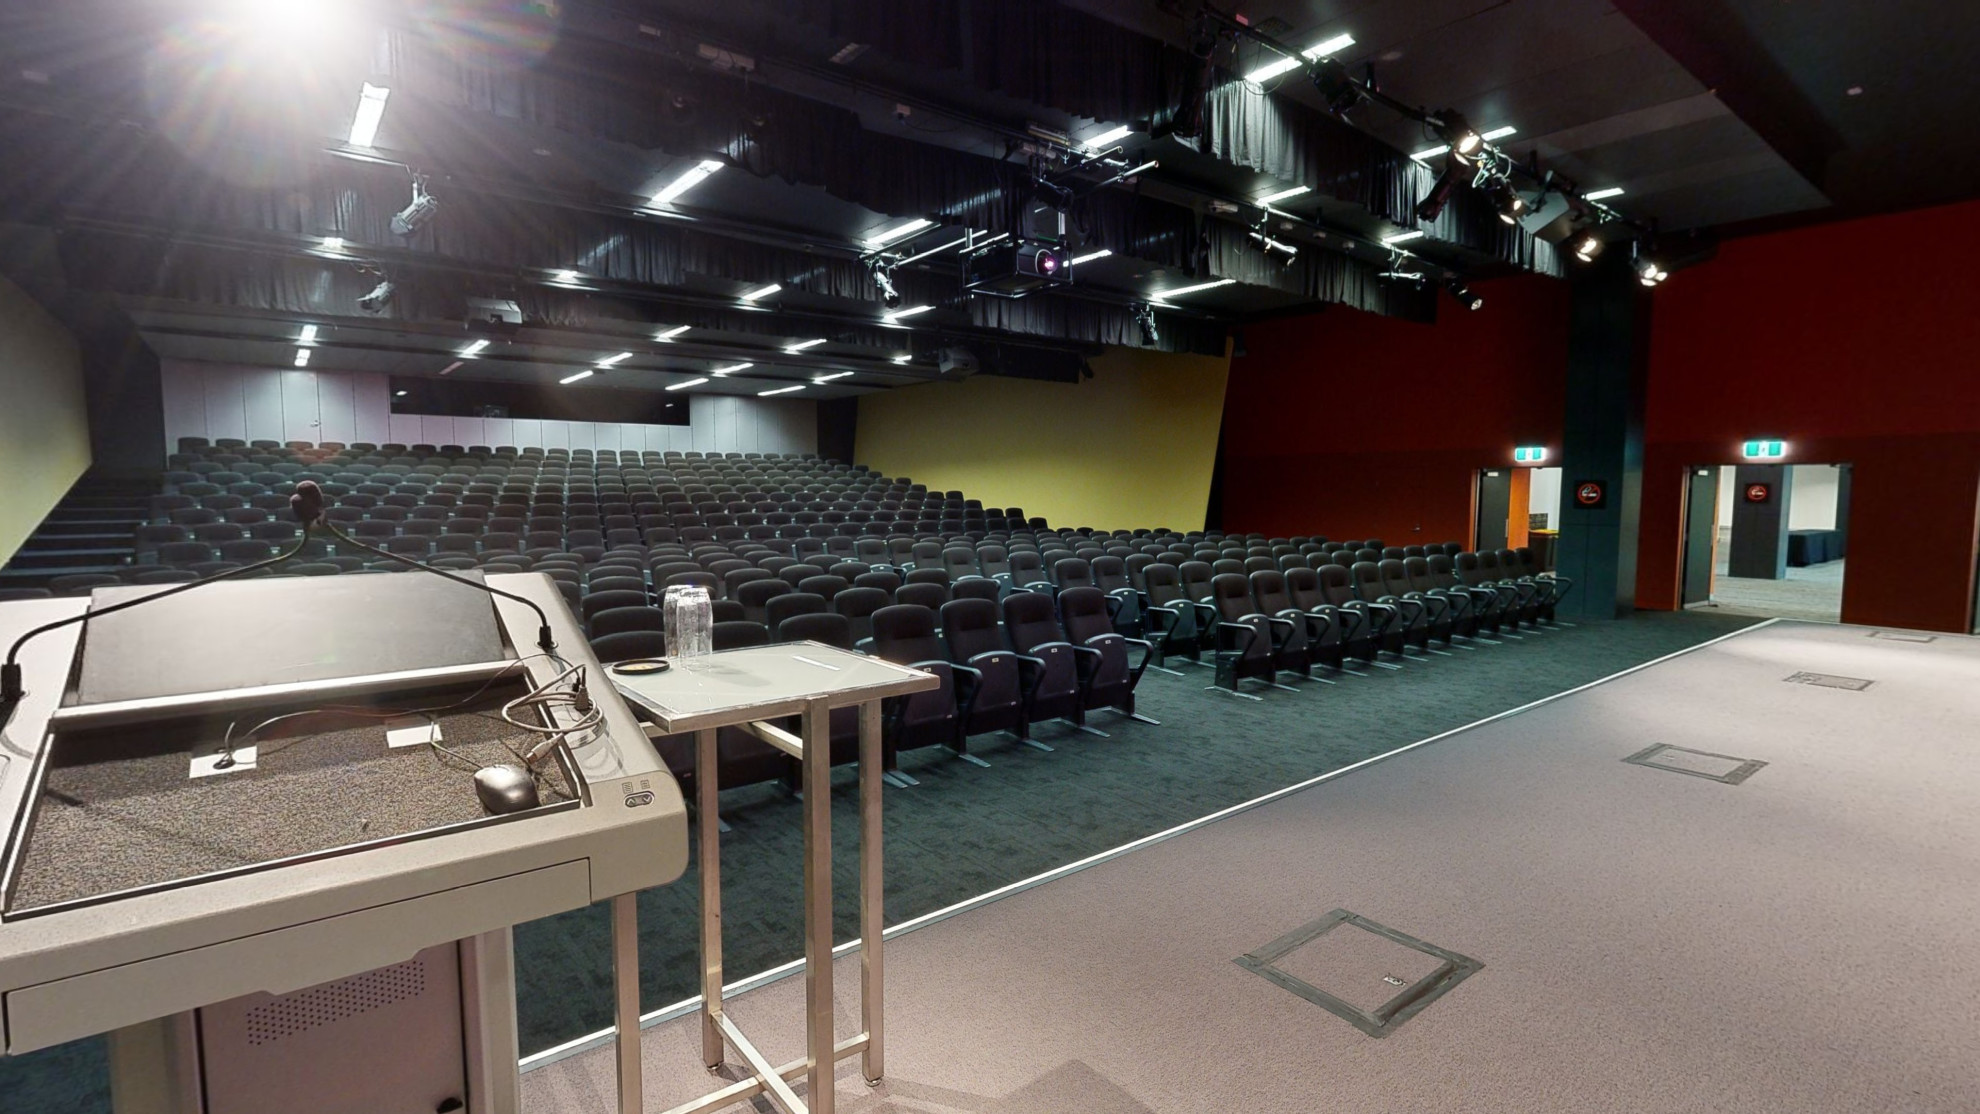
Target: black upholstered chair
(990,689)
(905,635)
(1108,677)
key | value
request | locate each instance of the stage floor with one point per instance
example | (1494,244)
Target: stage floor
(1792,926)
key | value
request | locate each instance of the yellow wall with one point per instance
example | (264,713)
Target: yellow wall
(44,425)
(1132,447)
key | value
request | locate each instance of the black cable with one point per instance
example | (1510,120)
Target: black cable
(543,636)
(11,687)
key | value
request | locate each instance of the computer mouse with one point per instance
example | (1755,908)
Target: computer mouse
(504,789)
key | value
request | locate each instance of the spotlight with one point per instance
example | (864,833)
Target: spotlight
(1507,200)
(1648,271)
(1144,316)
(883,277)
(379,298)
(1462,293)
(418,213)
(1456,131)
(1432,205)
(1337,86)
(1586,247)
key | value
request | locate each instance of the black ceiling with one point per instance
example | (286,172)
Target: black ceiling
(1708,114)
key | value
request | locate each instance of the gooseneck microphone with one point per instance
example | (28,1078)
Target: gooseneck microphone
(307,505)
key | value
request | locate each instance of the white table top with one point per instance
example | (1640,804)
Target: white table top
(763,682)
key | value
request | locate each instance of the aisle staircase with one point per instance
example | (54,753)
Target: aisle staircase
(93,529)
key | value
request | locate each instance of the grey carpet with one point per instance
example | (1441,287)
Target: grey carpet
(965,831)
(1651,940)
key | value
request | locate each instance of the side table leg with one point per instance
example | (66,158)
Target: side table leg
(707,784)
(625,980)
(818,1022)
(872,894)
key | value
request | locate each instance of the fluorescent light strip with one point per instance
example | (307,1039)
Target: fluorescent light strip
(1312,53)
(1149,165)
(779,391)
(895,317)
(609,361)
(333,243)
(302,357)
(670,334)
(370,110)
(564,276)
(1283,194)
(901,360)
(1108,138)
(804,344)
(762,292)
(307,337)
(400,394)
(684,385)
(834,375)
(1403,237)
(899,232)
(690,178)
(473,350)
(1495,133)
(585,374)
(721,371)
(1091,256)
(1201,286)
(1603,195)
(450,368)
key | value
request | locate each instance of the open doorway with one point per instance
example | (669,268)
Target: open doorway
(1767,539)
(1519,506)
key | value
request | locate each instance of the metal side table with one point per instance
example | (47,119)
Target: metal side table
(747,688)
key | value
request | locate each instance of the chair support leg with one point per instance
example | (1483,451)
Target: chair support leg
(974,760)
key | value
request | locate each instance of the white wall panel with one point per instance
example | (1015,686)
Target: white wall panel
(371,401)
(405,429)
(226,408)
(185,401)
(261,405)
(336,399)
(301,415)
(298,404)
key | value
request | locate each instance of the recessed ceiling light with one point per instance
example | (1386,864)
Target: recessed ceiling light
(398,394)
(1108,138)
(610,361)
(898,232)
(1312,53)
(1283,194)
(762,292)
(730,370)
(585,374)
(370,110)
(834,375)
(804,344)
(1091,256)
(684,384)
(780,391)
(302,357)
(1201,286)
(848,52)
(689,178)
(473,350)
(1854,91)
(1602,195)
(1403,237)
(307,336)
(670,334)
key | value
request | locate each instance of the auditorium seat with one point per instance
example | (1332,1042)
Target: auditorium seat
(1050,668)
(1244,636)
(905,635)
(990,691)
(1108,677)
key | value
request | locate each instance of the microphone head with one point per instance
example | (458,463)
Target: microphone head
(307,503)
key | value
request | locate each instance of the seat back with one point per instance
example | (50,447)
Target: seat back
(828,627)
(993,560)
(1107,676)
(905,635)
(959,561)
(1196,579)
(1230,593)
(782,607)
(1269,591)
(1073,572)
(1303,588)
(931,596)
(858,606)
(1336,584)
(969,628)
(1395,576)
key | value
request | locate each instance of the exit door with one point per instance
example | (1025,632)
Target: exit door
(1701,528)
(1494,501)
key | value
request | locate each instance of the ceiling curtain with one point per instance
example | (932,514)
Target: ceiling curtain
(1320,275)
(1102,322)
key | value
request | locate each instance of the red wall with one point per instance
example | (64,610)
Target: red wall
(1352,425)
(1855,342)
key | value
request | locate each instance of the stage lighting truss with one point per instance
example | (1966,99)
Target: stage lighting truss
(1268,245)
(1399,268)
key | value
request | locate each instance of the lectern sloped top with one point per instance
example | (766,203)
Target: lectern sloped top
(761,682)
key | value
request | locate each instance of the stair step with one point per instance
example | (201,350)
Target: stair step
(98,514)
(13,577)
(56,558)
(44,540)
(89,528)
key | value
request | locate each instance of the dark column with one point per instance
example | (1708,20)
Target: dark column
(1759,529)
(1602,441)
(838,429)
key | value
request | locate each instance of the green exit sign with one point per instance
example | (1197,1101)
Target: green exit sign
(1764,450)
(1529,454)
